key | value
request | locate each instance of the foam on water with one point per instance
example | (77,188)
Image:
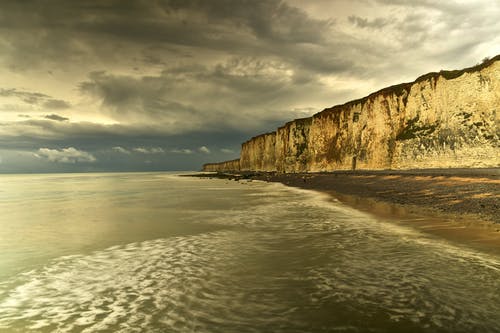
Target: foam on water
(123,287)
(284,260)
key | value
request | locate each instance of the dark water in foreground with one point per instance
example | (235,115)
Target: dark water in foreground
(159,253)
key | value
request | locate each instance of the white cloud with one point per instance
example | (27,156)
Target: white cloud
(157,150)
(182,151)
(227,151)
(204,150)
(121,150)
(153,150)
(65,155)
(141,150)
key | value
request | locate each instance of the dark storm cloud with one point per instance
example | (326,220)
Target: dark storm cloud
(376,23)
(272,20)
(240,93)
(180,75)
(114,147)
(56,117)
(25,96)
(96,30)
(32,133)
(203,22)
(91,30)
(35,98)
(56,104)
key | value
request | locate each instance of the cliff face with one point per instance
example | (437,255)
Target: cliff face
(227,166)
(445,119)
(258,153)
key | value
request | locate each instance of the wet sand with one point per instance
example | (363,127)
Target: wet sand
(452,193)
(458,204)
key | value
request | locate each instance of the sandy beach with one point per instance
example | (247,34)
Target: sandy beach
(455,192)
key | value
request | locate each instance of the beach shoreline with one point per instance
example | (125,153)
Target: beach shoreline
(446,192)
(458,204)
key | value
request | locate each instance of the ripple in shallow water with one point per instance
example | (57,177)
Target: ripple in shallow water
(229,281)
(132,287)
(289,262)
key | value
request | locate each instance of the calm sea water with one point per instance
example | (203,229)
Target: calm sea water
(160,253)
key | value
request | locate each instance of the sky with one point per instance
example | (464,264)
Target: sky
(143,85)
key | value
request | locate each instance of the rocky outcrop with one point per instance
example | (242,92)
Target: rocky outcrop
(441,120)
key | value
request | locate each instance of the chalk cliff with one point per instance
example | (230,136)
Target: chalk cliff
(441,120)
(227,166)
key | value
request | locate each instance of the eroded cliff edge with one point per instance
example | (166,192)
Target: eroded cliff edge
(441,120)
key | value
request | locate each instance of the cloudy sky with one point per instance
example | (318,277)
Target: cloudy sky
(170,84)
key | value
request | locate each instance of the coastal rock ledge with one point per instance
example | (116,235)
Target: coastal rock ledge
(441,120)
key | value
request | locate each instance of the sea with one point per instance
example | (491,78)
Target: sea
(157,252)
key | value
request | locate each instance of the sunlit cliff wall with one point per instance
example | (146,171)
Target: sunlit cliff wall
(227,166)
(292,146)
(445,119)
(259,153)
